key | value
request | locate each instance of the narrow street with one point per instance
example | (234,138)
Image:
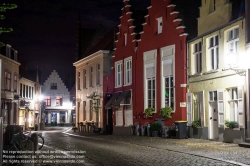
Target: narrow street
(132,150)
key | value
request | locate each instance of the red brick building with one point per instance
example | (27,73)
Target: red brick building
(149,64)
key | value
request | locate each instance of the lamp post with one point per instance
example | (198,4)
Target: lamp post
(41,119)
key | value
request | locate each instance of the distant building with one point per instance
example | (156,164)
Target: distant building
(58,106)
(9,85)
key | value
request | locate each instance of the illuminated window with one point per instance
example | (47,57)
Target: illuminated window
(198,57)
(214,53)
(59,101)
(232,46)
(48,101)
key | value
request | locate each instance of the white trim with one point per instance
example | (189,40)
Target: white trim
(144,23)
(131,20)
(129,13)
(178,19)
(174,12)
(118,33)
(127,6)
(125,71)
(171,5)
(122,8)
(116,41)
(119,24)
(131,27)
(183,34)
(149,59)
(120,62)
(149,7)
(180,27)
(141,32)
(146,16)
(133,33)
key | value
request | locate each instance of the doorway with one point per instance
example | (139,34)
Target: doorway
(213,121)
(109,126)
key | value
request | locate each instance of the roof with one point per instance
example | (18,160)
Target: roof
(106,43)
(23,72)
(93,39)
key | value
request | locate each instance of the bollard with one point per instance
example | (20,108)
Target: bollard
(34,139)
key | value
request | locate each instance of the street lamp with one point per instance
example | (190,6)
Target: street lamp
(40,99)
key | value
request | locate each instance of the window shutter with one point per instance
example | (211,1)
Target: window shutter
(167,68)
(201,105)
(189,108)
(119,117)
(220,102)
(150,72)
(241,106)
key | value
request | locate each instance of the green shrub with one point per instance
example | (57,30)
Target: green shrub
(231,124)
(149,111)
(155,127)
(196,123)
(166,112)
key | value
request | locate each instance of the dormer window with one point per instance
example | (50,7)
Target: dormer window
(159,25)
(8,51)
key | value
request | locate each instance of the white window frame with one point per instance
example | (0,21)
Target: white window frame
(232,46)
(159,25)
(79,81)
(98,74)
(213,52)
(198,57)
(149,58)
(128,71)
(91,76)
(7,80)
(118,74)
(84,78)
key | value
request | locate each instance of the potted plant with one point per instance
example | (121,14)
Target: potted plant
(166,112)
(149,112)
(155,128)
(196,130)
(36,127)
(231,124)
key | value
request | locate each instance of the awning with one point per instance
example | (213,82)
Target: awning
(113,98)
(121,97)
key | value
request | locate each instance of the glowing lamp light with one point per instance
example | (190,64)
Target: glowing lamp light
(40,97)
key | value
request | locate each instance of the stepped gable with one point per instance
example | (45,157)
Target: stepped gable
(138,15)
(100,32)
(238,9)
(106,43)
(55,75)
(188,12)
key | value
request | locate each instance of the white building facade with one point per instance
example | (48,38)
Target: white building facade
(58,107)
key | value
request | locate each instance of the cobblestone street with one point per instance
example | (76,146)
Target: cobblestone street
(137,150)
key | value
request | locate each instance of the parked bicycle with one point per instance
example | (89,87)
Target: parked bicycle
(20,141)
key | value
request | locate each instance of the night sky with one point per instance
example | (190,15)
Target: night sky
(45,30)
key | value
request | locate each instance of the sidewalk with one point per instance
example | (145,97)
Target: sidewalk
(205,148)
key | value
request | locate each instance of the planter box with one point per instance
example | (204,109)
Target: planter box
(155,134)
(197,132)
(235,135)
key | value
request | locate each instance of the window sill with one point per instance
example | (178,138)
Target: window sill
(118,86)
(211,71)
(195,75)
(127,84)
(118,125)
